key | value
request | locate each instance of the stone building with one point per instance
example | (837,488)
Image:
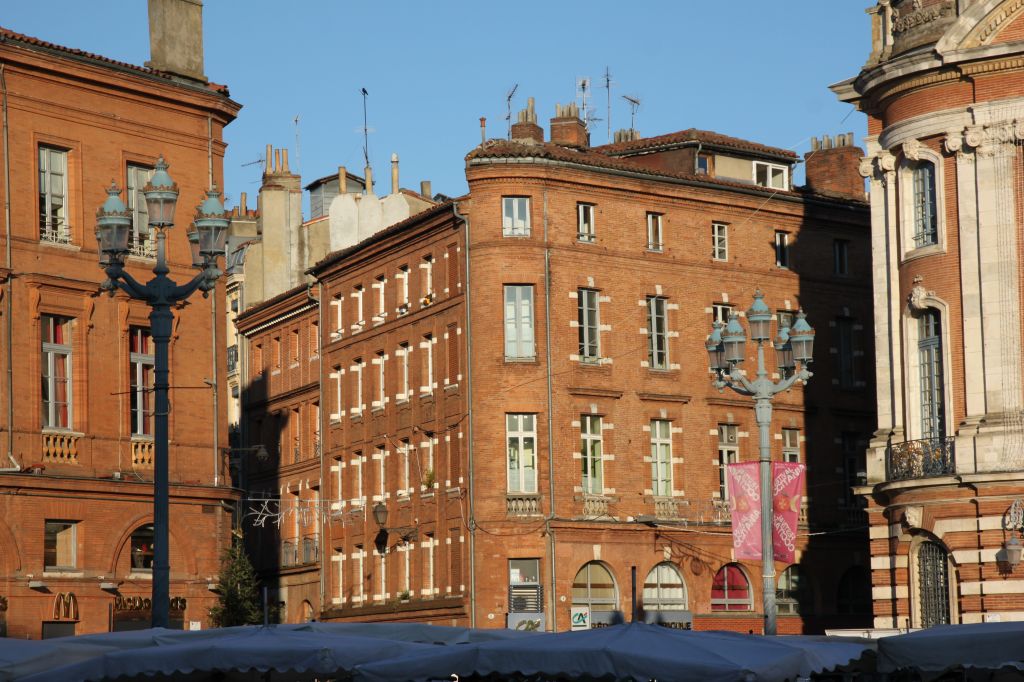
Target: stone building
(515,407)
(944,97)
(76,494)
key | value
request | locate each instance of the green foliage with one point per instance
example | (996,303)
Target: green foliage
(428,478)
(239,602)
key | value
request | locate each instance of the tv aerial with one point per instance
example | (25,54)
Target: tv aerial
(634,104)
(508,108)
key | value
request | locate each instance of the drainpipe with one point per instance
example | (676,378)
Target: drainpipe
(469,422)
(552,598)
(324,546)
(7,285)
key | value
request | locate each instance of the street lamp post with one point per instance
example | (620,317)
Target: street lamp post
(726,348)
(113,228)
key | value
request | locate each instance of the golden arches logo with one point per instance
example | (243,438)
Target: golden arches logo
(65,606)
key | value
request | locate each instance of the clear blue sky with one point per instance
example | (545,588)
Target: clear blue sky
(749,68)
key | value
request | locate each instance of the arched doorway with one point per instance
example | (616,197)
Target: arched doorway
(594,587)
(933,585)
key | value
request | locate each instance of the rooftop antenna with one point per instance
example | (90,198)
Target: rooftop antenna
(366,130)
(298,148)
(634,104)
(608,87)
(583,98)
(508,108)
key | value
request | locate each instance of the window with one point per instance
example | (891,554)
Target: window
(428,364)
(521,447)
(790,445)
(519,324)
(276,350)
(338,560)
(403,289)
(854,591)
(142,548)
(771,175)
(932,584)
(515,216)
(406,549)
(357,462)
(657,332)
(403,371)
(845,352)
(382,312)
(594,587)
(53,192)
(381,394)
(314,339)
(357,294)
(719,241)
(359,579)
(381,456)
(793,595)
(661,457)
(56,361)
(654,234)
(357,386)
(339,324)
(428,572)
(782,249)
(590,449)
(854,466)
(589,325)
(932,380)
(339,481)
(404,449)
(339,408)
(525,594)
(728,453)
(428,447)
(785,318)
(703,164)
(60,545)
(141,242)
(720,312)
(141,362)
(664,589)
(926,225)
(730,590)
(293,347)
(585,223)
(382,575)
(427,281)
(451,343)
(841,257)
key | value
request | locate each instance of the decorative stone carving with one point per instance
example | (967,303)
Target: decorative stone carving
(912,150)
(866,167)
(918,296)
(887,162)
(913,515)
(974,136)
(954,142)
(920,15)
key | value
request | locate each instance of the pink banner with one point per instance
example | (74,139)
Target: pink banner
(745,504)
(787,495)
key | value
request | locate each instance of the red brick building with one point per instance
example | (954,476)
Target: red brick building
(518,377)
(944,97)
(75,412)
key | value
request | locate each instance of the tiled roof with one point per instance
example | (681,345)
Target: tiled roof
(503,149)
(693,135)
(7,35)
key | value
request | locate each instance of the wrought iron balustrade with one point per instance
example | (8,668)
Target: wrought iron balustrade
(922,458)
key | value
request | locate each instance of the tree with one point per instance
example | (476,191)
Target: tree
(239,602)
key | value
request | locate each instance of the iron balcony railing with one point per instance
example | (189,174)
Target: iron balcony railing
(922,458)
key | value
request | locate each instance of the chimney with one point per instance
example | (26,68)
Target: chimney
(284,161)
(626,135)
(277,160)
(525,129)
(242,207)
(342,180)
(368,174)
(394,173)
(176,38)
(483,129)
(832,166)
(425,189)
(267,158)
(567,129)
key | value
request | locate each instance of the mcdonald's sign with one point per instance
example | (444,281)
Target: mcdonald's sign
(65,606)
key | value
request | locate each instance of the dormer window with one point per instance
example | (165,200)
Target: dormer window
(771,175)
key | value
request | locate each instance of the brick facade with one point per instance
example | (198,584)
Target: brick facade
(88,465)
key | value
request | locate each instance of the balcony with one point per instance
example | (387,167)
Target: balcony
(923,458)
(300,552)
(60,446)
(142,452)
(522,504)
(667,507)
(595,505)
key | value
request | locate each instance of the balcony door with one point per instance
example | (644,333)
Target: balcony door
(932,381)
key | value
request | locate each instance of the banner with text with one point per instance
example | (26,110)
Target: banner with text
(745,504)
(787,496)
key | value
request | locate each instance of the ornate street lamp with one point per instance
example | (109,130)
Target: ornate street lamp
(113,227)
(727,350)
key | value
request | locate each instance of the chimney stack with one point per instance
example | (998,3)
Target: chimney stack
(567,129)
(525,129)
(626,135)
(242,204)
(342,180)
(284,161)
(832,166)
(425,189)
(394,173)
(483,129)
(368,174)
(267,160)
(176,38)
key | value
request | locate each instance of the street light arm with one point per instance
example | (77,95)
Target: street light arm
(183,291)
(746,387)
(131,286)
(785,384)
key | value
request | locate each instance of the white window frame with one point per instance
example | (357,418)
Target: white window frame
(403,375)
(381,456)
(380,283)
(51,353)
(360,585)
(720,312)
(141,420)
(769,170)
(428,578)
(657,332)
(520,324)
(518,434)
(53,187)
(728,453)
(339,568)
(515,216)
(357,461)
(339,324)
(790,445)
(403,290)
(592,453)
(357,376)
(404,453)
(360,323)
(427,269)
(907,211)
(720,241)
(427,344)
(585,228)
(141,243)
(589,320)
(661,457)
(655,233)
(782,255)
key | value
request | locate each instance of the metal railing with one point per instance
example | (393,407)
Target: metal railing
(300,552)
(922,458)
(55,232)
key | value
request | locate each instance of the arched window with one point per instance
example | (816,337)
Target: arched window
(926,221)
(664,589)
(594,587)
(932,584)
(854,591)
(730,590)
(793,592)
(142,548)
(307,611)
(929,351)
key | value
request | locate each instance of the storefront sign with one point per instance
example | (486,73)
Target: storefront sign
(525,621)
(136,613)
(579,617)
(65,606)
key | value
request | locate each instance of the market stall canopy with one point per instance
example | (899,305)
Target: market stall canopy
(989,646)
